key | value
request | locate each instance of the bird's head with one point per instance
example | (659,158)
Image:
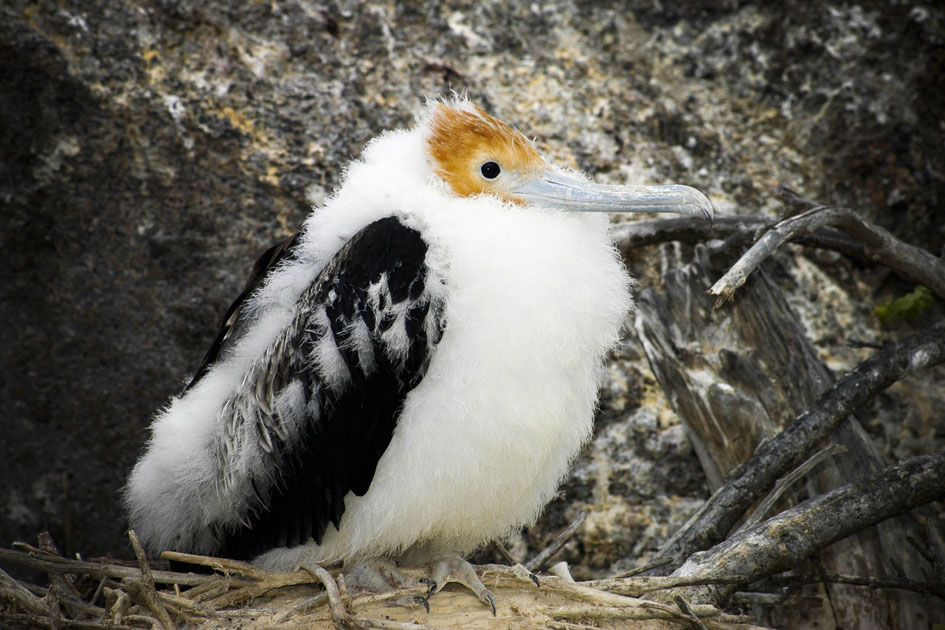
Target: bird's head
(474,153)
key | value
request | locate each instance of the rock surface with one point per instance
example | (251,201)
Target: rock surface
(151,150)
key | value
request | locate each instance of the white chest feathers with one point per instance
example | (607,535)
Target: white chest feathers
(534,300)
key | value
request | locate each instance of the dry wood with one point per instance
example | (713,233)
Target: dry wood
(144,587)
(631,235)
(58,564)
(736,377)
(786,540)
(912,263)
(536,563)
(785,482)
(774,458)
(923,588)
(21,596)
(526,605)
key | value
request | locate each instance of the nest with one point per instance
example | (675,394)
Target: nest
(108,593)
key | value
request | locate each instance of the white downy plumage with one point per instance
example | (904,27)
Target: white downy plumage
(533,296)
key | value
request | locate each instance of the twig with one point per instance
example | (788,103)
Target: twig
(774,458)
(142,558)
(154,623)
(210,589)
(21,620)
(185,605)
(116,601)
(19,594)
(506,556)
(687,611)
(639,610)
(643,568)
(639,586)
(903,584)
(783,541)
(784,483)
(58,564)
(252,591)
(539,560)
(145,585)
(773,599)
(73,602)
(912,263)
(223,565)
(633,234)
(304,607)
(339,615)
(564,625)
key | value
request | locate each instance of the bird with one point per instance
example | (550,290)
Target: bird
(410,375)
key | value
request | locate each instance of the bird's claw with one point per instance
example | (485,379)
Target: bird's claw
(523,574)
(432,589)
(418,599)
(488,600)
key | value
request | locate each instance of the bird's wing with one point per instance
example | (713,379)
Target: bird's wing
(268,261)
(316,412)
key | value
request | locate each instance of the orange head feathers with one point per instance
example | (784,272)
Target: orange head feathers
(475,153)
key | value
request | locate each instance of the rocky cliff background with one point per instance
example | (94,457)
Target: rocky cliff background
(150,150)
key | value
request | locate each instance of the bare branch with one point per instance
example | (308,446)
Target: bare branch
(145,585)
(904,584)
(784,541)
(538,561)
(11,590)
(784,483)
(223,565)
(58,564)
(633,234)
(772,459)
(643,568)
(335,605)
(912,263)
(506,556)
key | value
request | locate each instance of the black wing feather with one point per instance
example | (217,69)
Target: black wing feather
(338,448)
(282,250)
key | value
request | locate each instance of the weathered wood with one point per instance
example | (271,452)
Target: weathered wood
(58,564)
(738,375)
(634,234)
(788,539)
(912,263)
(774,458)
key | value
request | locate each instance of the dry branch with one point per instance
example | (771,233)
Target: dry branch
(912,263)
(772,459)
(923,588)
(525,606)
(786,540)
(789,480)
(633,234)
(536,563)
(144,586)
(58,564)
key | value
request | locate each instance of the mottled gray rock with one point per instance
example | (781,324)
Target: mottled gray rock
(149,151)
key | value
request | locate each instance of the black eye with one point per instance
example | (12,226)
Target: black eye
(490,170)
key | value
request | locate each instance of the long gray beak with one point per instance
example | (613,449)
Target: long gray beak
(557,190)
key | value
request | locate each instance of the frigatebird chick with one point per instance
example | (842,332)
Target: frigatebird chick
(408,377)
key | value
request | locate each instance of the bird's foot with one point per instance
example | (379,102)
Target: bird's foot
(453,568)
(381,576)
